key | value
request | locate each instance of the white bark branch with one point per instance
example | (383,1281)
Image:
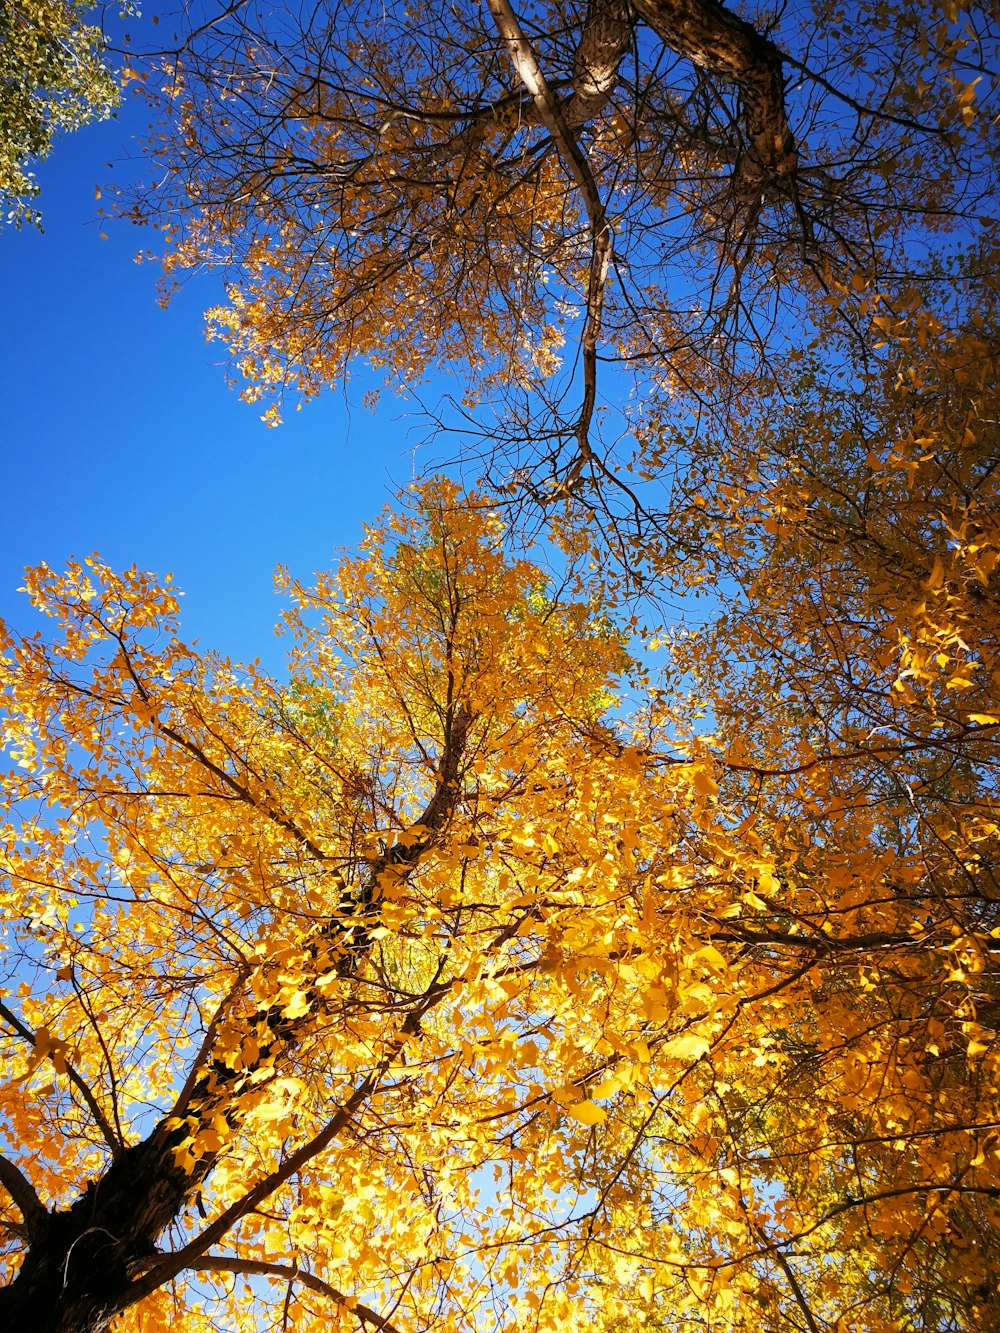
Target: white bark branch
(575,160)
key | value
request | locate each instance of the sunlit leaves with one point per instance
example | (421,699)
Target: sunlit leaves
(52,77)
(441,974)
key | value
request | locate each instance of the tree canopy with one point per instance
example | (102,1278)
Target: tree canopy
(529,196)
(537,954)
(464,981)
(53,77)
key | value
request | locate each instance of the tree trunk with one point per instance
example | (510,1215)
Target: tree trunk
(82,1260)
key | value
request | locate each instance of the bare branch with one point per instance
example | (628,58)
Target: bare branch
(576,162)
(529,71)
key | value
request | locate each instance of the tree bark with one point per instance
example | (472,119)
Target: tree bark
(726,46)
(80,1260)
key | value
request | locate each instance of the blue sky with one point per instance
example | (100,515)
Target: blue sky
(119,434)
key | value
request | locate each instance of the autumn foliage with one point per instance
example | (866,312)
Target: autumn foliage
(550,948)
(465,976)
(53,77)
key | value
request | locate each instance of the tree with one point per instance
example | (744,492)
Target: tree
(52,77)
(529,196)
(247,924)
(485,975)
(436,990)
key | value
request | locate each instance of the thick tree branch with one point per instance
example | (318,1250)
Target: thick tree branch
(728,47)
(578,165)
(347,932)
(550,112)
(170,1265)
(206,1047)
(81,1270)
(21,1190)
(441,806)
(604,39)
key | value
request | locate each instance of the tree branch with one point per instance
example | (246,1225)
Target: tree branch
(797,1291)
(171,1264)
(729,48)
(103,1123)
(211,1263)
(577,164)
(603,41)
(21,1190)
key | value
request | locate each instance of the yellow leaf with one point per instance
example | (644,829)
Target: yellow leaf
(297,1006)
(587,1113)
(710,955)
(688,1046)
(607,1087)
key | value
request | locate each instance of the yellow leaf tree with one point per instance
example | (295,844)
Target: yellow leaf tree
(853,685)
(484,975)
(462,981)
(309,983)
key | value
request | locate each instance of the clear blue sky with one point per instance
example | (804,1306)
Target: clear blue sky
(119,434)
